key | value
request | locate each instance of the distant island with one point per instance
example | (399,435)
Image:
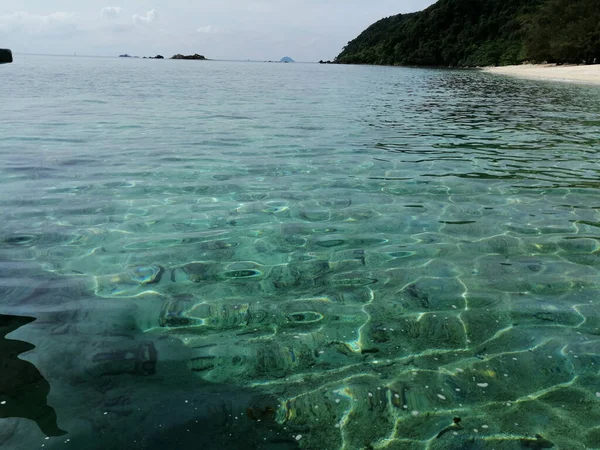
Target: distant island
(459,33)
(286,59)
(195,56)
(145,57)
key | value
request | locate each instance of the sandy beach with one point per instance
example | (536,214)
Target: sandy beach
(568,73)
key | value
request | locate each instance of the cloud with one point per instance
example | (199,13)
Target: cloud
(148,18)
(57,22)
(210,29)
(110,12)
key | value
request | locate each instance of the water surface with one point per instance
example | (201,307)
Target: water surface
(277,256)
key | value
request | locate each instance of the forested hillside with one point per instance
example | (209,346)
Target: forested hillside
(565,31)
(482,33)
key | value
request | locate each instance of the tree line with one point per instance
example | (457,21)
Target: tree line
(462,33)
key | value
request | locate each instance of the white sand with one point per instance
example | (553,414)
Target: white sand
(569,73)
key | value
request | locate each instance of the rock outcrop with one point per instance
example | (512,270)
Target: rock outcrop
(195,56)
(5,56)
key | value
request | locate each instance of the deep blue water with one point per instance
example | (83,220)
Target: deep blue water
(225,255)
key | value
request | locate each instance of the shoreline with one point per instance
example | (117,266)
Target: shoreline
(551,72)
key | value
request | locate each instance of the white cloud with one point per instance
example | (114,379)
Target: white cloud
(210,29)
(110,12)
(223,29)
(148,18)
(57,22)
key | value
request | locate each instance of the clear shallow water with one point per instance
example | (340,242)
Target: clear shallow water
(237,255)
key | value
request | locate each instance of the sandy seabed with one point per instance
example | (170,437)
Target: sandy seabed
(569,73)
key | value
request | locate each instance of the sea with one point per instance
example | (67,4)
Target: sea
(241,255)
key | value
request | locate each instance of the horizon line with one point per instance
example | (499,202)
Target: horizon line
(149,57)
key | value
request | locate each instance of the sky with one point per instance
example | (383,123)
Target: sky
(306,30)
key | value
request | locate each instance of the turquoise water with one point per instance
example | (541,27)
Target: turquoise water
(264,256)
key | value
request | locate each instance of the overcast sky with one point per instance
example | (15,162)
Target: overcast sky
(306,30)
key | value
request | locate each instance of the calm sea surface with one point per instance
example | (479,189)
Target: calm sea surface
(221,255)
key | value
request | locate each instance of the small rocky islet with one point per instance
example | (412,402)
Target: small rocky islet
(195,56)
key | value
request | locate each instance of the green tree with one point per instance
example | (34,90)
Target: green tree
(482,33)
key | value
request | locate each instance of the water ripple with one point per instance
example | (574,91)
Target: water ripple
(358,261)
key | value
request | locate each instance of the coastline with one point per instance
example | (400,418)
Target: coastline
(551,72)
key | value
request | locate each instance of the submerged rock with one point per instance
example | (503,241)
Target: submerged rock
(139,360)
(538,443)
